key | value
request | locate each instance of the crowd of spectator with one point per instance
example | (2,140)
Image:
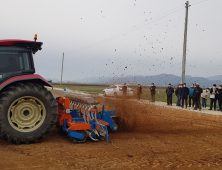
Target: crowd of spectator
(189,97)
(194,94)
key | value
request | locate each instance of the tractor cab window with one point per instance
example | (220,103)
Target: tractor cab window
(13,60)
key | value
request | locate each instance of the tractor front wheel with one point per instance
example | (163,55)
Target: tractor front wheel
(28,112)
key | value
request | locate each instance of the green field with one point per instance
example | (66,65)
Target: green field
(85,88)
(160,92)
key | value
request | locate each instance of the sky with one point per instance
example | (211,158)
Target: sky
(108,38)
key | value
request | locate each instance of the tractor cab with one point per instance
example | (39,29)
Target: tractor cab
(28,111)
(16,58)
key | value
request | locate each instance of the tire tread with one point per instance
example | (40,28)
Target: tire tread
(8,93)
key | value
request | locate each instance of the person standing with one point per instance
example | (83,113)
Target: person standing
(196,96)
(169,92)
(191,89)
(139,91)
(220,97)
(184,94)
(153,92)
(213,97)
(178,94)
(205,95)
(124,88)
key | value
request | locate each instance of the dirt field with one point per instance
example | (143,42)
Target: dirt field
(150,137)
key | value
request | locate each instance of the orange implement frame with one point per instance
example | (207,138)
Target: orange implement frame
(73,125)
(63,105)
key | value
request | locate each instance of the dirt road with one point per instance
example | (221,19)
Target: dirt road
(150,137)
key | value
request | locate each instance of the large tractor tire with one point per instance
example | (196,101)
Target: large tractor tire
(28,113)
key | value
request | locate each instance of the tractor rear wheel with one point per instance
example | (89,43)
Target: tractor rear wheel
(28,112)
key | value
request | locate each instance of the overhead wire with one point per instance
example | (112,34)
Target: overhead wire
(198,2)
(123,33)
(153,18)
(117,36)
(193,1)
(129,30)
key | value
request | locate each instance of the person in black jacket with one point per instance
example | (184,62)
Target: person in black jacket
(169,92)
(178,94)
(220,97)
(184,94)
(124,88)
(153,92)
(213,96)
(139,91)
(196,96)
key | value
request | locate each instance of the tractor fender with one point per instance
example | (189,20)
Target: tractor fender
(33,78)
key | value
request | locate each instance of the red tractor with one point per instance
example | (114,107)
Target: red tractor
(28,111)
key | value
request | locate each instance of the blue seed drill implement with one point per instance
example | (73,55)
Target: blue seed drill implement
(79,116)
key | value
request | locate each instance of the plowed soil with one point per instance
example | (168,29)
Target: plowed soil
(150,137)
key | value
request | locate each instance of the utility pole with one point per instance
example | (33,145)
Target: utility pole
(185,44)
(62,70)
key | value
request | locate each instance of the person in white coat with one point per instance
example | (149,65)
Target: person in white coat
(205,95)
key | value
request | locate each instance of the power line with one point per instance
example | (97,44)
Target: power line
(132,28)
(117,36)
(198,2)
(151,19)
(194,0)
(129,30)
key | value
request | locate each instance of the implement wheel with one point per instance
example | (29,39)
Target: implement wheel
(28,112)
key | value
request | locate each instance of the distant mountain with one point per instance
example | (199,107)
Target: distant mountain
(219,77)
(159,80)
